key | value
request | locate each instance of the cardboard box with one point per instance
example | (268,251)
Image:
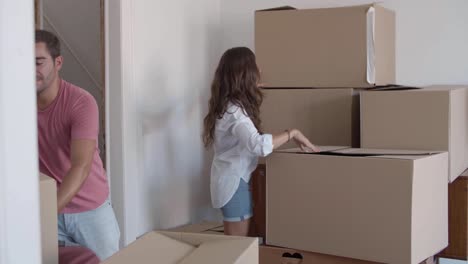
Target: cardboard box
(166,247)
(49,226)
(374,205)
(325,116)
(433,118)
(458,219)
(328,47)
(277,255)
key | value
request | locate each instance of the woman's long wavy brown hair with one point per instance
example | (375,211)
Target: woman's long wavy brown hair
(235,81)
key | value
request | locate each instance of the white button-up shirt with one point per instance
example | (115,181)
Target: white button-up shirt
(237,146)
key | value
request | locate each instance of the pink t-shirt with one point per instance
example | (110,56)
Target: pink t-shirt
(72,115)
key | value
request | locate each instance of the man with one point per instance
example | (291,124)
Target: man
(68,128)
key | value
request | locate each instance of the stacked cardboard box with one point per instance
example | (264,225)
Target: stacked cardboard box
(387,203)
(329,47)
(433,118)
(301,50)
(311,111)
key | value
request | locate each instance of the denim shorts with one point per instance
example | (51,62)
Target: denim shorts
(239,208)
(97,230)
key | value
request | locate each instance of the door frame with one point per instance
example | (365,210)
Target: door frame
(20,236)
(123,157)
(38,14)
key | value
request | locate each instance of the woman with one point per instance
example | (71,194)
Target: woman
(232,128)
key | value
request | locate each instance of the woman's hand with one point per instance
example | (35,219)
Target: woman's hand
(303,142)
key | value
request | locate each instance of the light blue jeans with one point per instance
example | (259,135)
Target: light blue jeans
(97,230)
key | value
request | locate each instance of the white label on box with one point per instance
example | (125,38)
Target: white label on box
(371,45)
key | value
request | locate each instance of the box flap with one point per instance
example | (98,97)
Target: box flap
(199,228)
(197,239)
(277,88)
(360,152)
(322,149)
(152,246)
(393,87)
(399,155)
(279,8)
(287,7)
(218,229)
(227,251)
(382,152)
(214,232)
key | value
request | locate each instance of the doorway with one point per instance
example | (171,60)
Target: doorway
(80,27)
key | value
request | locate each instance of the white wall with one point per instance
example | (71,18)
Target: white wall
(176,49)
(19,173)
(173,51)
(432,35)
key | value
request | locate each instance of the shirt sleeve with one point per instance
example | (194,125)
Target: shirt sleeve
(249,137)
(85,119)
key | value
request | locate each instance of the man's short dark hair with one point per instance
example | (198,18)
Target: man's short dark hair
(51,41)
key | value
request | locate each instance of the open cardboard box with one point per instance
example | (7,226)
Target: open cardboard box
(166,247)
(387,206)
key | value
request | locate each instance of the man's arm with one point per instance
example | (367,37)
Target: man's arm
(82,152)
